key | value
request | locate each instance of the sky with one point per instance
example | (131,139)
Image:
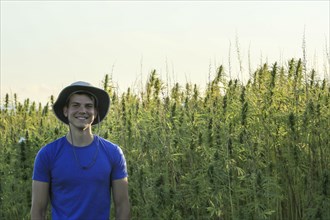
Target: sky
(47,45)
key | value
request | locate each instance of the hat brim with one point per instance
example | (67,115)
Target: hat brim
(102,96)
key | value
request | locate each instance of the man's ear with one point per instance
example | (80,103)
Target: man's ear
(65,111)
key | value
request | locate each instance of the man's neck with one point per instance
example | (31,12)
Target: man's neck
(81,138)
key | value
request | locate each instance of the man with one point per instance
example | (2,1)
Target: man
(78,172)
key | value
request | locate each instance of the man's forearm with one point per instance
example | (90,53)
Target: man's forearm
(38,214)
(123,212)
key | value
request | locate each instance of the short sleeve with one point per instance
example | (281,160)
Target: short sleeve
(41,170)
(119,167)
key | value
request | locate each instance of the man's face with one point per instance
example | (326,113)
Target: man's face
(80,111)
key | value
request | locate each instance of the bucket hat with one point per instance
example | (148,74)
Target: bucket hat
(102,100)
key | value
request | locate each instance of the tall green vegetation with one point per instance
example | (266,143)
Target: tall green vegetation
(233,151)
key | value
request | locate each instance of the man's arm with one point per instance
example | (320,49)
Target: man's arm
(40,196)
(120,198)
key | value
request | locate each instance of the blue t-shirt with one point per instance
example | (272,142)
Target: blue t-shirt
(77,193)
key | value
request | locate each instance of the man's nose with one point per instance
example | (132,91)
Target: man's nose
(82,109)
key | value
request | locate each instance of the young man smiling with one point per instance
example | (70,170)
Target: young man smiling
(79,172)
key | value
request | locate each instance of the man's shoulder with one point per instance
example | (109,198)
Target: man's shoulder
(106,142)
(53,146)
(109,146)
(56,142)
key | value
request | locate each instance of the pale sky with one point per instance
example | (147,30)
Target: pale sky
(47,45)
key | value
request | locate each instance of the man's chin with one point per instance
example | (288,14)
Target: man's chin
(81,126)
